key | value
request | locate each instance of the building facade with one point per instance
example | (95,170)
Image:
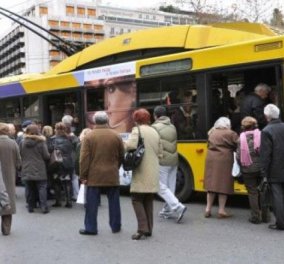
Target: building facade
(76,22)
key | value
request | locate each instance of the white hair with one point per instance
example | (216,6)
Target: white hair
(100,118)
(262,87)
(271,111)
(67,119)
(223,122)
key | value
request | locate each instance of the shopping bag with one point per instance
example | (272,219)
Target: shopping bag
(236,167)
(81,198)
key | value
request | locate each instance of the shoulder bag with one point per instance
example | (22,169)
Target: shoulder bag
(56,159)
(133,158)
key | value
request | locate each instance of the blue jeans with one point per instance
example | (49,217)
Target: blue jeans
(92,203)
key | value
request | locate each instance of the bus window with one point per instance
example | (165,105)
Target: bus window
(10,111)
(149,94)
(95,100)
(31,107)
(181,101)
(230,87)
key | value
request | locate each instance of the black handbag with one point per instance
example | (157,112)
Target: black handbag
(56,160)
(133,158)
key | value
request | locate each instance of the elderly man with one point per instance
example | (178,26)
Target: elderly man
(271,154)
(100,158)
(253,104)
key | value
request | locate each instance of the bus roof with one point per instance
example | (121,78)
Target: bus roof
(185,37)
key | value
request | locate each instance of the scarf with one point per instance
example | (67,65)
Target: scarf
(245,155)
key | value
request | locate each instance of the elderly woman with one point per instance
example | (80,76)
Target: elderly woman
(222,142)
(145,179)
(249,160)
(63,176)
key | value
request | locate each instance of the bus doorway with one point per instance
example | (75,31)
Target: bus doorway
(60,104)
(228,89)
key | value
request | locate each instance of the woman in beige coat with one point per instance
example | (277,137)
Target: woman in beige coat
(222,142)
(145,179)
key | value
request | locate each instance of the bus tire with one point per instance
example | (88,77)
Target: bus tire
(184,182)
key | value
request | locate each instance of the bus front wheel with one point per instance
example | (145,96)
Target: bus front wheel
(184,182)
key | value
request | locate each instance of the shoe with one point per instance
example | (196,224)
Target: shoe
(68,205)
(181,213)
(30,210)
(148,234)
(166,214)
(116,231)
(85,232)
(139,236)
(45,211)
(223,216)
(56,205)
(275,227)
(207,214)
(255,220)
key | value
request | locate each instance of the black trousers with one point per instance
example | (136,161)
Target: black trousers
(92,203)
(277,192)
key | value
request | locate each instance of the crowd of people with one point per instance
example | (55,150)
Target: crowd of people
(94,159)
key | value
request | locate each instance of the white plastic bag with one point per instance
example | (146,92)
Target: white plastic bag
(236,167)
(81,199)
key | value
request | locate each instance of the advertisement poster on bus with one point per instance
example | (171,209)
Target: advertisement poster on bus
(113,89)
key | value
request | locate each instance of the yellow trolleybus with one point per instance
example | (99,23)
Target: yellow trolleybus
(198,72)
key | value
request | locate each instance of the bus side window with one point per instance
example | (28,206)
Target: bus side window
(95,100)
(181,104)
(183,115)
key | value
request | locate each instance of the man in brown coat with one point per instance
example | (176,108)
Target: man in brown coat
(100,158)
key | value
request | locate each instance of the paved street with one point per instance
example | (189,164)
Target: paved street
(54,238)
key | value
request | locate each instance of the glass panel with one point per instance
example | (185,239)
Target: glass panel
(180,95)
(10,110)
(149,94)
(31,106)
(95,100)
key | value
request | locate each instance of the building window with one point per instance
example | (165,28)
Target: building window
(81,11)
(65,23)
(53,23)
(76,25)
(70,10)
(98,27)
(43,10)
(87,26)
(91,12)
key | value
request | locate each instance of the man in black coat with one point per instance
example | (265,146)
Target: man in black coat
(254,103)
(272,164)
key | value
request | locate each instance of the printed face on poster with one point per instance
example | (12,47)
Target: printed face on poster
(119,96)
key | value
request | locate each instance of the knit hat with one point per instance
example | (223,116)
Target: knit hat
(26,123)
